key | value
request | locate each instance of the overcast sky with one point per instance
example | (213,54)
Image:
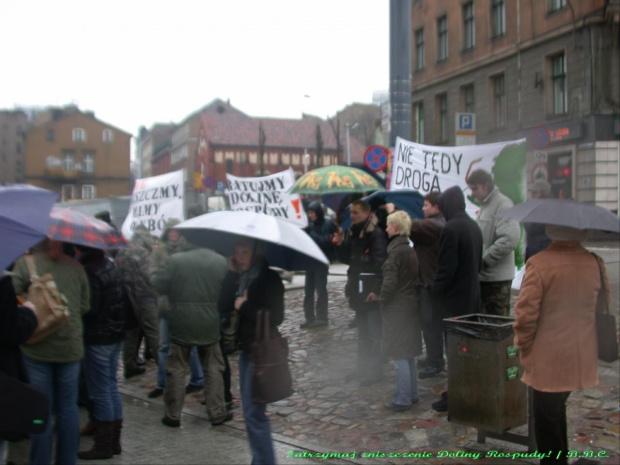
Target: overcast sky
(136,62)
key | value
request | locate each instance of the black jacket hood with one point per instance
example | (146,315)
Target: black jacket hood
(451,202)
(318,209)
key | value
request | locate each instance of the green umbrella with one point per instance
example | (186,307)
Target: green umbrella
(333,180)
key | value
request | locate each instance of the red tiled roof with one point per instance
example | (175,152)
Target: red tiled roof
(234,128)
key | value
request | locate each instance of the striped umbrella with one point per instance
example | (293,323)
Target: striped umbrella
(76,228)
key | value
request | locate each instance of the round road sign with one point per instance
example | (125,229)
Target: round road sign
(375,158)
(540,172)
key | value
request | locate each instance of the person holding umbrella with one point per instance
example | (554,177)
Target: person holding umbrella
(250,286)
(555,331)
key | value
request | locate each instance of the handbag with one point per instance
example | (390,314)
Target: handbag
(50,305)
(24,409)
(271,378)
(605,323)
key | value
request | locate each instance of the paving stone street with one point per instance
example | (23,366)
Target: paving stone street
(327,415)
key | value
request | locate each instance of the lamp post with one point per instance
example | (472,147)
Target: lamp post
(349,126)
(306,160)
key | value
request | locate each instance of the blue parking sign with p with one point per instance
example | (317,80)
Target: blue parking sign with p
(466,121)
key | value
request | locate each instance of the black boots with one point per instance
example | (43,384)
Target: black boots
(102,447)
(107,441)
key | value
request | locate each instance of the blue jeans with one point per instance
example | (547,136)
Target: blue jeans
(197,376)
(406,382)
(256,422)
(60,382)
(100,367)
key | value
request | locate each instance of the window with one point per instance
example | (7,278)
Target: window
(468,26)
(49,135)
(79,135)
(499,101)
(89,191)
(498,18)
(442,38)
(68,161)
(558,79)
(419,49)
(88,164)
(68,192)
(441,123)
(418,114)
(467,99)
(108,136)
(555,5)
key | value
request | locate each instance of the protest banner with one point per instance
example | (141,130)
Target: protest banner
(426,168)
(267,194)
(154,201)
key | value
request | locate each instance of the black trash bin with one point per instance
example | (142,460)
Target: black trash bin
(484,387)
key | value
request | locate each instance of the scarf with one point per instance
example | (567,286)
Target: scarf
(246,278)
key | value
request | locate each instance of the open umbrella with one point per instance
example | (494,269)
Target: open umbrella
(24,219)
(333,180)
(76,228)
(408,200)
(563,212)
(287,246)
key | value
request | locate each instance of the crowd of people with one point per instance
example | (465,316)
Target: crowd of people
(404,278)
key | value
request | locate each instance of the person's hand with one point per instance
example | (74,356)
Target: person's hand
(239,301)
(389,207)
(372,297)
(337,238)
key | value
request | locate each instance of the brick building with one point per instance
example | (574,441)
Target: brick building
(76,155)
(546,70)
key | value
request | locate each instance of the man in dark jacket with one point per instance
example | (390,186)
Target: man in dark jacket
(192,281)
(455,290)
(320,230)
(134,264)
(425,237)
(17,323)
(364,249)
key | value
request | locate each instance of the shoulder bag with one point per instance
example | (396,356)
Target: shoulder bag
(50,305)
(605,323)
(271,379)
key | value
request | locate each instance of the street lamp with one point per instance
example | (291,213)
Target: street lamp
(306,160)
(349,126)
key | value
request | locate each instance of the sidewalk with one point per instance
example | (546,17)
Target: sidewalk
(328,415)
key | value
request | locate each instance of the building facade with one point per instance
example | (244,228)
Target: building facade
(76,155)
(546,71)
(13,127)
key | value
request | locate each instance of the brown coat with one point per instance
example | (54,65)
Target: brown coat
(555,319)
(400,335)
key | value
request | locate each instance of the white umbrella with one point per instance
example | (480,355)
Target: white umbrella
(287,246)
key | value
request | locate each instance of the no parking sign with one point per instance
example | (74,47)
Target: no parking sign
(375,158)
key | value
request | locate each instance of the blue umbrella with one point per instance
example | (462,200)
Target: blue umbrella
(407,200)
(24,219)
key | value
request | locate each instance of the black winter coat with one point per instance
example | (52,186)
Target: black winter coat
(265,292)
(365,251)
(106,321)
(456,288)
(16,326)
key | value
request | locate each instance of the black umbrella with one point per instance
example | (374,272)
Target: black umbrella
(563,212)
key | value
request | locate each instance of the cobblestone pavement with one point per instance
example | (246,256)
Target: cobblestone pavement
(328,415)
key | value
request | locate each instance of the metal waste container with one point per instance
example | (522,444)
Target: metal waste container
(484,387)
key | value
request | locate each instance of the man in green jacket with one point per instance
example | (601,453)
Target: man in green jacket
(192,281)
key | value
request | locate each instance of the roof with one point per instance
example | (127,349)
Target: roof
(225,125)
